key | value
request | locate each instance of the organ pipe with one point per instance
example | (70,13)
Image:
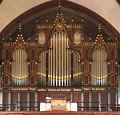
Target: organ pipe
(19,67)
(59,60)
(99,68)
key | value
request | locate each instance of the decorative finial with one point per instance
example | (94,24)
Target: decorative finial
(82,20)
(46,19)
(36,20)
(29,37)
(90,37)
(3,37)
(20,27)
(99,28)
(72,20)
(108,38)
(59,4)
(116,38)
(10,37)
(36,38)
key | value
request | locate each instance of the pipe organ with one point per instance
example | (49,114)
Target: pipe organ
(60,59)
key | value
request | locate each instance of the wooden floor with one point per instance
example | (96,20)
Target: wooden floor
(57,113)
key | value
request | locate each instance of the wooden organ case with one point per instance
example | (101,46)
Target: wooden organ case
(60,62)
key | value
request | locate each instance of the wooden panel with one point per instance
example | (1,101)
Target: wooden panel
(86,100)
(113,101)
(68,96)
(5,100)
(23,100)
(95,100)
(14,100)
(104,100)
(77,98)
(32,99)
(41,98)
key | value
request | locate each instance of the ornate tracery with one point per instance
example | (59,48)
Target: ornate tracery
(99,65)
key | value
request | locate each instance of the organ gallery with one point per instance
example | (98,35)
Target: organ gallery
(59,57)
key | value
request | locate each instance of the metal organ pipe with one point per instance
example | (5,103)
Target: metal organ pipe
(19,67)
(99,68)
(62,59)
(59,60)
(67,76)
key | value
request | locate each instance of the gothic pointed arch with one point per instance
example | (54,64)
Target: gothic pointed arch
(19,62)
(99,72)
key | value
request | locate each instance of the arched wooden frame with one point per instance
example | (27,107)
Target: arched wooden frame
(22,80)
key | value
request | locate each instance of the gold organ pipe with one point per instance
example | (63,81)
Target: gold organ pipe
(53,59)
(25,82)
(23,63)
(40,68)
(76,79)
(21,74)
(43,68)
(101,67)
(62,59)
(59,59)
(49,67)
(102,64)
(51,62)
(56,61)
(18,65)
(96,69)
(65,59)
(66,62)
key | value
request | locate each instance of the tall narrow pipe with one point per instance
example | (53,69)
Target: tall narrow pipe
(62,59)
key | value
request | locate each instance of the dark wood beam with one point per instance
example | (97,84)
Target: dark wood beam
(118,1)
(1,1)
